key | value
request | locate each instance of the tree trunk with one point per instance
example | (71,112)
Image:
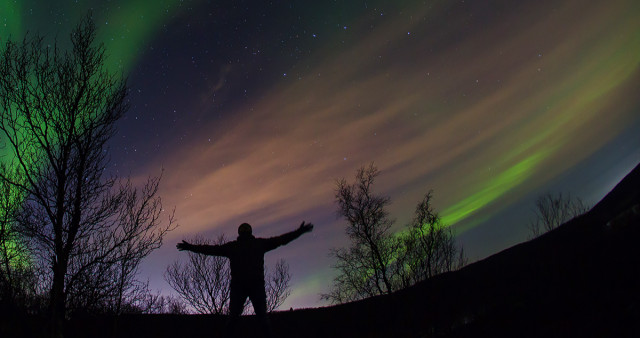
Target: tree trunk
(57,301)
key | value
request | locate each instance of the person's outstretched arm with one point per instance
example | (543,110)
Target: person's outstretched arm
(211,250)
(274,242)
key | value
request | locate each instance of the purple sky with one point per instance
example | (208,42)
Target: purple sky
(255,108)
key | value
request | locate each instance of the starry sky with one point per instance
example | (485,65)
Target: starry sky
(254,108)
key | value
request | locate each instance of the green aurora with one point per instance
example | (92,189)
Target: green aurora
(569,94)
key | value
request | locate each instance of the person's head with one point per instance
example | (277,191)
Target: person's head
(244,229)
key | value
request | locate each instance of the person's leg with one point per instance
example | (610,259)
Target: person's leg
(258,298)
(237,297)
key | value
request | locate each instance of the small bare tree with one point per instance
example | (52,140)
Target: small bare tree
(551,211)
(165,304)
(428,248)
(143,301)
(365,267)
(277,285)
(379,262)
(57,112)
(203,281)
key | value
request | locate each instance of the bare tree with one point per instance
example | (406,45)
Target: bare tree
(203,281)
(365,268)
(277,285)
(57,112)
(428,248)
(379,262)
(144,301)
(165,304)
(108,282)
(551,211)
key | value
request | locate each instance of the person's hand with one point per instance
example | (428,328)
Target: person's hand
(183,246)
(306,227)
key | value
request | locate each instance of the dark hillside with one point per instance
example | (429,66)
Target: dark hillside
(580,280)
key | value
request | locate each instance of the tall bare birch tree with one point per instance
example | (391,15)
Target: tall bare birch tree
(58,110)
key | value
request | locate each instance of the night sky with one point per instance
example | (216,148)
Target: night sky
(255,108)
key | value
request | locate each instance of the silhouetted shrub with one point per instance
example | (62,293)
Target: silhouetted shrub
(377,261)
(552,211)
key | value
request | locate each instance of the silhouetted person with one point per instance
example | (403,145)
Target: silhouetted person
(246,256)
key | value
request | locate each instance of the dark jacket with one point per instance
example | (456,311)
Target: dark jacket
(246,254)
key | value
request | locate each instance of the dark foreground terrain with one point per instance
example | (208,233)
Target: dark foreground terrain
(580,280)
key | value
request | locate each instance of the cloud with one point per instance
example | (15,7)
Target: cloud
(510,105)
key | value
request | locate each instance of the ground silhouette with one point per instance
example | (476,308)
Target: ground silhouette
(579,280)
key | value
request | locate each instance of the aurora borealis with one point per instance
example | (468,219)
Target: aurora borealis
(254,108)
